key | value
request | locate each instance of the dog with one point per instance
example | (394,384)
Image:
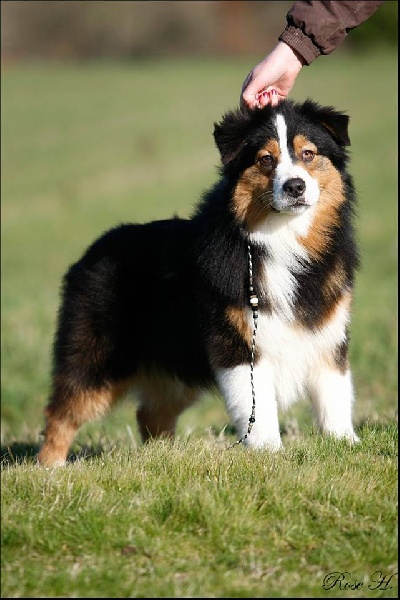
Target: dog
(163,307)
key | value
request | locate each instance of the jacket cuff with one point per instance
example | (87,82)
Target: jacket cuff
(297,40)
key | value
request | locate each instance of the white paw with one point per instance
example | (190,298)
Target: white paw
(350,436)
(272,443)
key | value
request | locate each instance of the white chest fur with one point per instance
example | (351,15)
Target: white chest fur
(294,355)
(285,257)
(291,352)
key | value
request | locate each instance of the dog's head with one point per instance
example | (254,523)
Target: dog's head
(283,159)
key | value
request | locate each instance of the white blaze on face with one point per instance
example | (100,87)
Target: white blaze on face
(279,233)
(286,170)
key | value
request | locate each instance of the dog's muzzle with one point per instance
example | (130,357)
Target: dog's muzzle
(294,188)
(293,195)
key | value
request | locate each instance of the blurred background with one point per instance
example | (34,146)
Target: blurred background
(107,115)
(126,30)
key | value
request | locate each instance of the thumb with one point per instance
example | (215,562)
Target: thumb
(251,93)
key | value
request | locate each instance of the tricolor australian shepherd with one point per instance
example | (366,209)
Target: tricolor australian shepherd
(163,307)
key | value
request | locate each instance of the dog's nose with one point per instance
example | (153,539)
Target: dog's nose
(294,187)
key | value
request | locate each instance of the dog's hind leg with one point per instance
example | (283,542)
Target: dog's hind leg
(69,408)
(161,401)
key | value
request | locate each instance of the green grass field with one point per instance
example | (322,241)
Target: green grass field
(86,147)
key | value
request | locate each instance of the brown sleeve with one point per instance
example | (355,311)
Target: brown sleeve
(318,27)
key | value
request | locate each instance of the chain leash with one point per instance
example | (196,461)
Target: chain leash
(253,299)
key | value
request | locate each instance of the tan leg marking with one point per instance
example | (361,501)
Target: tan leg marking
(162,400)
(67,410)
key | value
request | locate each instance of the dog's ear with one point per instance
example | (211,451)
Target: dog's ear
(335,122)
(338,126)
(230,134)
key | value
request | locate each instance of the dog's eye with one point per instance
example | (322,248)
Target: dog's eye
(307,155)
(267,160)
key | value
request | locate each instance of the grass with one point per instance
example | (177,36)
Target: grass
(191,520)
(86,147)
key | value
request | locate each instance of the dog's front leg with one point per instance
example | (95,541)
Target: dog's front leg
(332,397)
(236,388)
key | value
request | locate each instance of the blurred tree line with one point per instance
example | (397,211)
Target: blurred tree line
(114,29)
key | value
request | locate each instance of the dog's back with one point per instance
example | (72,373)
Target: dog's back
(163,307)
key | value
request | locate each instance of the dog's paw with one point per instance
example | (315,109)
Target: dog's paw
(274,444)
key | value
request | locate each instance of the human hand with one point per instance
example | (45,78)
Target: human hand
(273,78)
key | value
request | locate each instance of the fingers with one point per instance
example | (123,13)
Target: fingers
(266,97)
(261,99)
